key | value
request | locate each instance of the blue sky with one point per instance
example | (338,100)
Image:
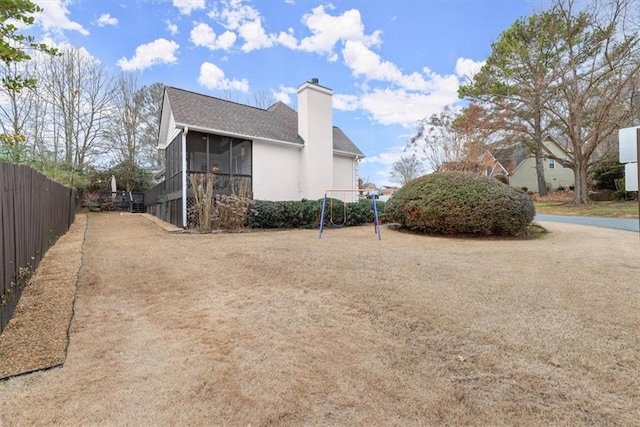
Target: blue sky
(389,62)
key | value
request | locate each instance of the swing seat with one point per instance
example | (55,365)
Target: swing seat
(334,225)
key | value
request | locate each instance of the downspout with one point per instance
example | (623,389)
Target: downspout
(184,177)
(353,179)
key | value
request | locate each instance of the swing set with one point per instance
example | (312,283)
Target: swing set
(330,212)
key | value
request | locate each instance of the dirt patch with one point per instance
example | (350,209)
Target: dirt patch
(286,329)
(36,337)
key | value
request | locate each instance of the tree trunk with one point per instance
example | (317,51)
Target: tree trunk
(537,130)
(542,184)
(581,191)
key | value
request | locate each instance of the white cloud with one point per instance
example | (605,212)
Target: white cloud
(327,30)
(234,14)
(171,27)
(159,51)
(55,17)
(388,157)
(398,106)
(66,46)
(212,77)
(187,6)
(254,36)
(203,35)
(345,102)
(247,22)
(226,40)
(283,94)
(287,39)
(468,68)
(106,19)
(364,62)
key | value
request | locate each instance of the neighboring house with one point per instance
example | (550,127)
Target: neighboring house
(275,153)
(386,190)
(518,166)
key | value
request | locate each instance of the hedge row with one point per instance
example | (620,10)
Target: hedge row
(307,213)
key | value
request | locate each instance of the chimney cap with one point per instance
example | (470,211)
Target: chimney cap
(315,80)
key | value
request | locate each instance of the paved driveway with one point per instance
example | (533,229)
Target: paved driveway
(628,224)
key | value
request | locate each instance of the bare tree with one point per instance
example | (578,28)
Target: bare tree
(600,51)
(133,126)
(451,140)
(262,99)
(14,111)
(406,168)
(151,111)
(81,92)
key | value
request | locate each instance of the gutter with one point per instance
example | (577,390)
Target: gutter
(348,154)
(237,135)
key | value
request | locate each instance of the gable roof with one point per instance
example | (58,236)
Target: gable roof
(511,157)
(279,122)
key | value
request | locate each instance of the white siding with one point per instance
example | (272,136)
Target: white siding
(345,177)
(168,129)
(276,172)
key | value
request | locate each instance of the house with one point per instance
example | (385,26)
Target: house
(274,153)
(386,192)
(518,166)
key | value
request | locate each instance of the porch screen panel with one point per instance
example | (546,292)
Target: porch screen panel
(173,166)
(219,149)
(197,152)
(241,158)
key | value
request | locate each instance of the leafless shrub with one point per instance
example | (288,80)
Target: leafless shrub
(202,188)
(229,212)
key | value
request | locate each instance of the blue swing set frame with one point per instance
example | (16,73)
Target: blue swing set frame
(376,221)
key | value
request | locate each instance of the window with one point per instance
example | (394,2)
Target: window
(552,164)
(488,171)
(566,161)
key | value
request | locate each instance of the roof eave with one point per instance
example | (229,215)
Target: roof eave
(237,135)
(349,154)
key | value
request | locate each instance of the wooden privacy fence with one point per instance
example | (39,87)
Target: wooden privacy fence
(34,212)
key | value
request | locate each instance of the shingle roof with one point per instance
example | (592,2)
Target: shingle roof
(341,142)
(278,122)
(511,157)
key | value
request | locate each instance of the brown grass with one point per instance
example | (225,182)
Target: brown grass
(280,328)
(560,203)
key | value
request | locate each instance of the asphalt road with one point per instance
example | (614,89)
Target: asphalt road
(617,223)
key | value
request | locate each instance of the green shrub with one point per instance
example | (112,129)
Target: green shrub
(285,214)
(263,214)
(361,212)
(307,213)
(606,171)
(297,214)
(453,203)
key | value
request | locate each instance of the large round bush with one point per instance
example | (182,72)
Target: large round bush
(460,203)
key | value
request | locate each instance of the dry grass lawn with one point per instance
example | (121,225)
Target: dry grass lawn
(280,328)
